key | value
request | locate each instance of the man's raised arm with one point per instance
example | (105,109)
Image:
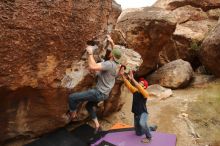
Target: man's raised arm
(91,61)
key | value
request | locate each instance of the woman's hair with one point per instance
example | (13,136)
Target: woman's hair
(145,82)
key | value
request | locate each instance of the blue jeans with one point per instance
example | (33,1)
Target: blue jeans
(140,124)
(93,96)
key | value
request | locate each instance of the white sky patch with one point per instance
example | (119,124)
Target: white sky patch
(135,3)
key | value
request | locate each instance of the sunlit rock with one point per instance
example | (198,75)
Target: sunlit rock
(175,74)
(146,30)
(173,4)
(159,92)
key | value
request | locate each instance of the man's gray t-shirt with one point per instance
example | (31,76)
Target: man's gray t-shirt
(106,77)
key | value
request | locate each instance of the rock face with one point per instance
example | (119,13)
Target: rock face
(210,51)
(146,30)
(201,79)
(173,75)
(41,45)
(173,4)
(185,42)
(181,47)
(195,30)
(157,91)
(118,37)
(193,25)
(214,13)
(189,13)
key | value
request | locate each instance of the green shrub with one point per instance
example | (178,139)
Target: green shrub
(195,46)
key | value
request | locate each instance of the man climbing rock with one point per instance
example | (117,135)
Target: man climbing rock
(106,73)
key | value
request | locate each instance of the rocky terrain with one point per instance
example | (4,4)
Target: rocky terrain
(192,114)
(42,51)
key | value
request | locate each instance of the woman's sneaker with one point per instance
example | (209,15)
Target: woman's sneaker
(153,127)
(145,140)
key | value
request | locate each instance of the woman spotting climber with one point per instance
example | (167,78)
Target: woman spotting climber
(139,107)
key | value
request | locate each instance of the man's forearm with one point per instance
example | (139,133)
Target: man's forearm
(91,61)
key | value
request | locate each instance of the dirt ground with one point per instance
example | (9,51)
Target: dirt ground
(192,114)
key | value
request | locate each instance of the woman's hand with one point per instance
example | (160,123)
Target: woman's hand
(121,70)
(109,38)
(130,75)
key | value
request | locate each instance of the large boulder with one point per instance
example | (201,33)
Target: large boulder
(189,13)
(185,42)
(41,45)
(118,37)
(159,92)
(210,51)
(146,30)
(214,13)
(193,25)
(199,79)
(195,30)
(176,74)
(173,4)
